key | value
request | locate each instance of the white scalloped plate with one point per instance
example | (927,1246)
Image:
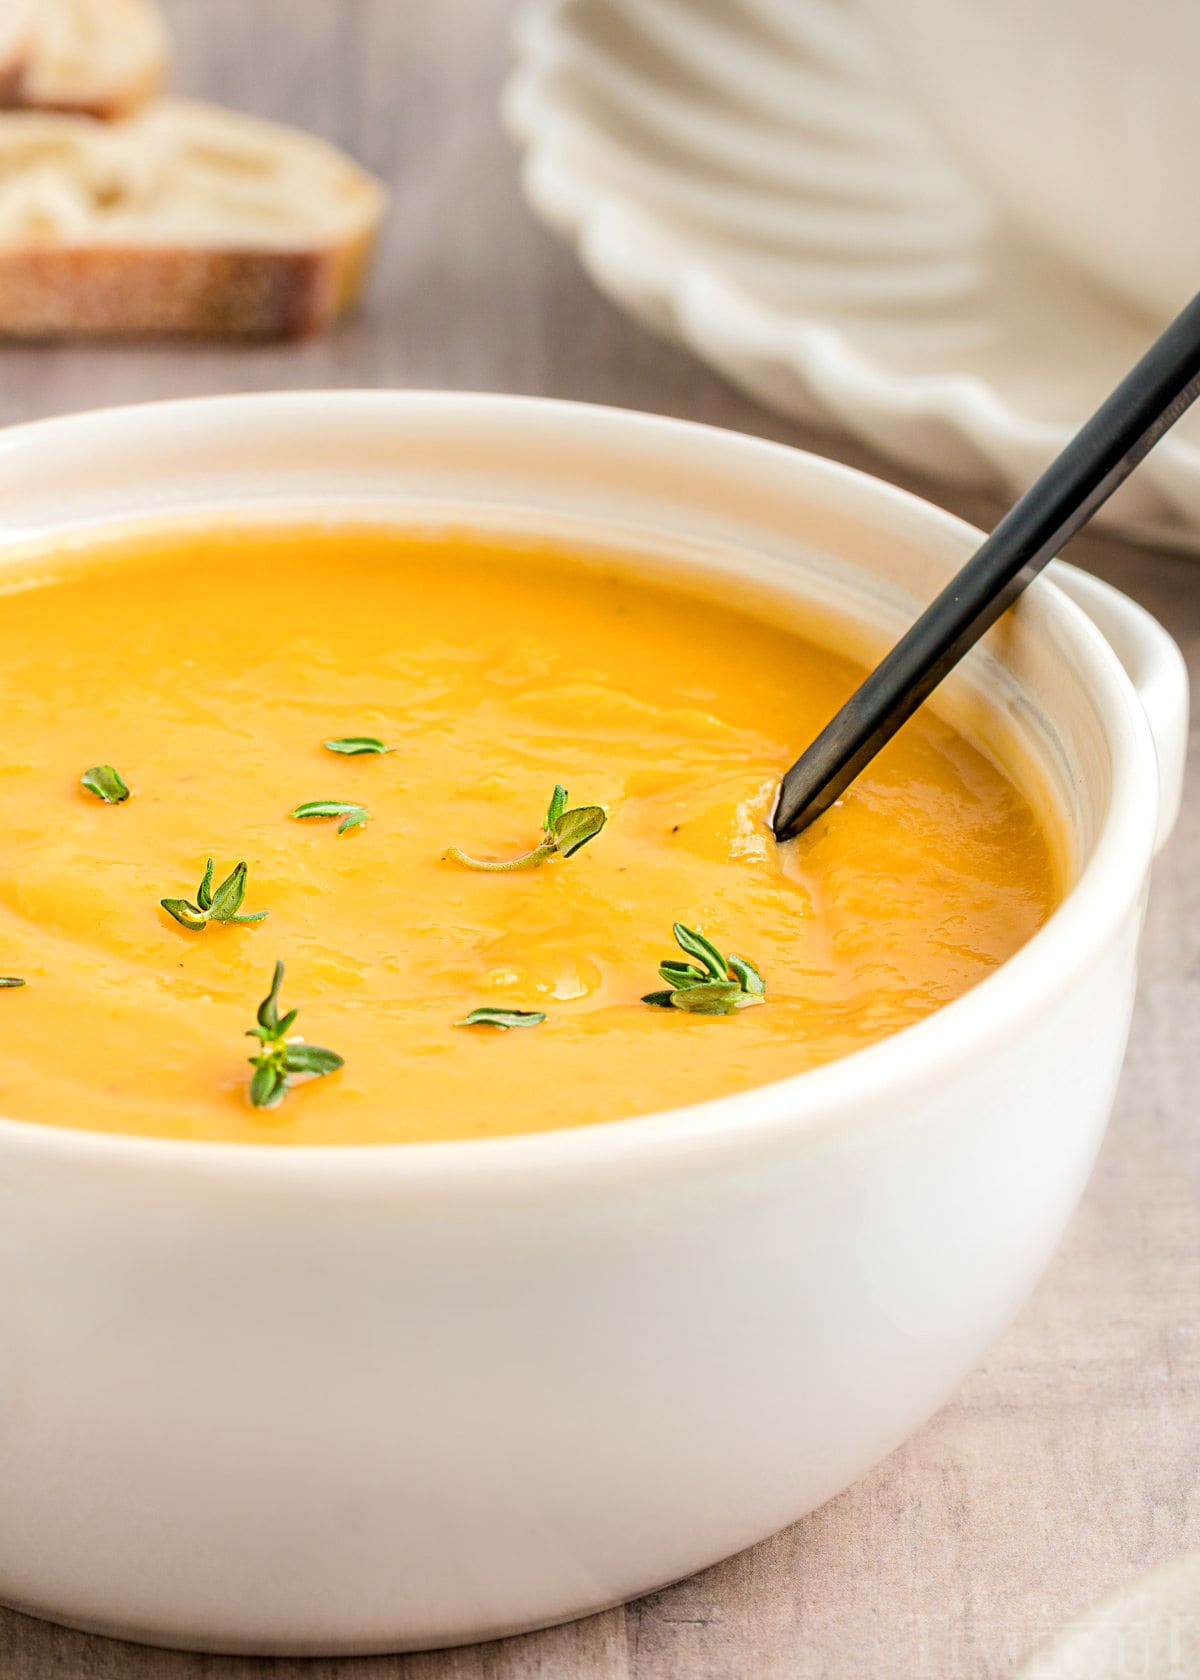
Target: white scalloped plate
(741,176)
(1150,1629)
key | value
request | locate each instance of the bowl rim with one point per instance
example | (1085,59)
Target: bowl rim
(802,1105)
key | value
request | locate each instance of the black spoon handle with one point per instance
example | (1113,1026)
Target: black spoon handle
(1128,424)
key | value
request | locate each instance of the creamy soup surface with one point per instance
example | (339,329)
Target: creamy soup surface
(209,668)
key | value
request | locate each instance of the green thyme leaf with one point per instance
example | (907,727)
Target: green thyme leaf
(227,899)
(747,976)
(310,1058)
(558,804)
(696,945)
(356,746)
(715,997)
(106,783)
(721,986)
(575,828)
(220,905)
(563,832)
(268,1084)
(187,915)
(354,816)
(680,975)
(280,1057)
(7,981)
(267,1014)
(268,1010)
(503,1018)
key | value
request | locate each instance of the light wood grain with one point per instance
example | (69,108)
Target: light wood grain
(1069,1461)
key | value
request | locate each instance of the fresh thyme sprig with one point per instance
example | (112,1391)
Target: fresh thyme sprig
(280,1056)
(106,783)
(356,746)
(712,985)
(354,815)
(563,832)
(220,904)
(503,1018)
(7,981)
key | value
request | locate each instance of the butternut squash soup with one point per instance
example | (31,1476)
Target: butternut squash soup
(353,725)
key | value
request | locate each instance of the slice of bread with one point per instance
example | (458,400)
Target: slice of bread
(16,46)
(186,219)
(102,58)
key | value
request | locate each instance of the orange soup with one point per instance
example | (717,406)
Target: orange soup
(207,671)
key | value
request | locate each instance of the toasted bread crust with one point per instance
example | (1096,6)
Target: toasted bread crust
(31,79)
(106,292)
(16,46)
(14,62)
(11,71)
(186,220)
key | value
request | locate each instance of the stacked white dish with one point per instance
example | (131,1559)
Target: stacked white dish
(1150,1628)
(746,177)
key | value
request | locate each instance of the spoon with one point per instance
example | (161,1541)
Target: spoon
(1100,456)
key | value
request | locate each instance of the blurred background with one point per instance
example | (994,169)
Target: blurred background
(468,289)
(783,187)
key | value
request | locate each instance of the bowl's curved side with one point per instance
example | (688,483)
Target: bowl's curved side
(309,1400)
(329,1424)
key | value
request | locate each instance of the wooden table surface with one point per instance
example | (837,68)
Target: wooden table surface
(1069,1461)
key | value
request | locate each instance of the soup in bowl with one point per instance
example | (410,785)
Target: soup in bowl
(599,1186)
(365,697)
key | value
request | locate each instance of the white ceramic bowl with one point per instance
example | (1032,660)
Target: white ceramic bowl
(1080,116)
(301,1400)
